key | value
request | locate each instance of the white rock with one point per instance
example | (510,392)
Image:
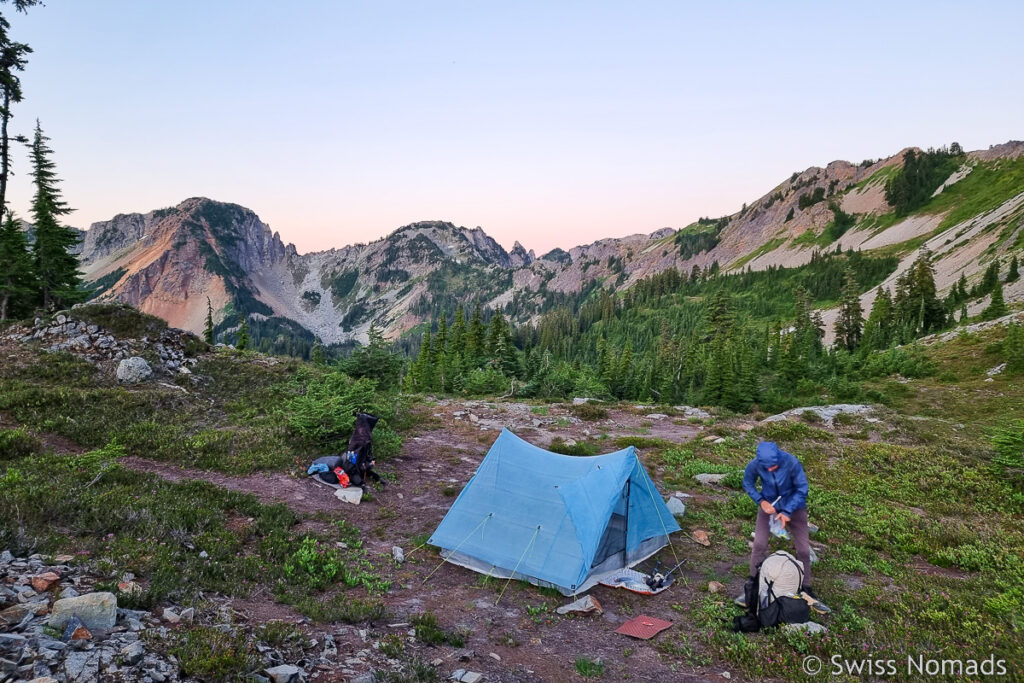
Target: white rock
(656,416)
(690,411)
(352,494)
(709,479)
(676,507)
(806,627)
(397,554)
(285,673)
(133,370)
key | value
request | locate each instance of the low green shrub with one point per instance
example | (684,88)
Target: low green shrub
(559,445)
(590,412)
(121,320)
(211,654)
(18,443)
(589,668)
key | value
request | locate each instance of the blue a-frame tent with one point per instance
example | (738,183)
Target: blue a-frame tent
(554,520)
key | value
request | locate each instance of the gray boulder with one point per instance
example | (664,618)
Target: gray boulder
(96,610)
(690,411)
(676,506)
(81,667)
(133,370)
(133,653)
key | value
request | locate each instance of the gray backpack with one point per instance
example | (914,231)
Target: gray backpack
(780,579)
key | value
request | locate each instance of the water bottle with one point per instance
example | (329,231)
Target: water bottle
(775,526)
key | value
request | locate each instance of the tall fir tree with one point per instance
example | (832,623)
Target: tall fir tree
(624,371)
(442,332)
(55,266)
(423,369)
(208,327)
(317,355)
(718,374)
(17,279)
(917,306)
(13,58)
(476,338)
(807,330)
(961,288)
(375,360)
(1014,273)
(501,348)
(457,336)
(997,307)
(850,324)
(878,330)
(243,342)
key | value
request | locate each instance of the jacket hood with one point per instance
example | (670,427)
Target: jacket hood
(767,454)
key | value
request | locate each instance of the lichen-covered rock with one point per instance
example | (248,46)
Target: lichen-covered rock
(826,413)
(96,610)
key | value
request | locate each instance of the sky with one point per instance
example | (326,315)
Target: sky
(549,123)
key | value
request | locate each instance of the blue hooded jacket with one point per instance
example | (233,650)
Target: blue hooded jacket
(788,482)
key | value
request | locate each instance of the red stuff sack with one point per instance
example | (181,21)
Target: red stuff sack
(342,477)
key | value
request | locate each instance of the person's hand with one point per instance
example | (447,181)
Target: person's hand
(783,520)
(767,507)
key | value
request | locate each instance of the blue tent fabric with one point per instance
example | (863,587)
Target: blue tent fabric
(547,518)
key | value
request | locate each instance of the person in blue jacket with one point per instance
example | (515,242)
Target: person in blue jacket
(783,493)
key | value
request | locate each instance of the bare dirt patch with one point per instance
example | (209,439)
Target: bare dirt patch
(532,642)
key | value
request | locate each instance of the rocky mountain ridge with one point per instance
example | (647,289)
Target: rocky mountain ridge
(170,261)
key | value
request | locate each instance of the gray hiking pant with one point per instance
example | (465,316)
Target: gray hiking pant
(797,528)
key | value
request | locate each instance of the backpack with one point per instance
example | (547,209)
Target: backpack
(748,621)
(769,595)
(780,578)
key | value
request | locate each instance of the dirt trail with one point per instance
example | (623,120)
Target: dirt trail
(300,495)
(532,643)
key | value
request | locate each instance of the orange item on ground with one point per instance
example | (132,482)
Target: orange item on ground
(643,627)
(342,477)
